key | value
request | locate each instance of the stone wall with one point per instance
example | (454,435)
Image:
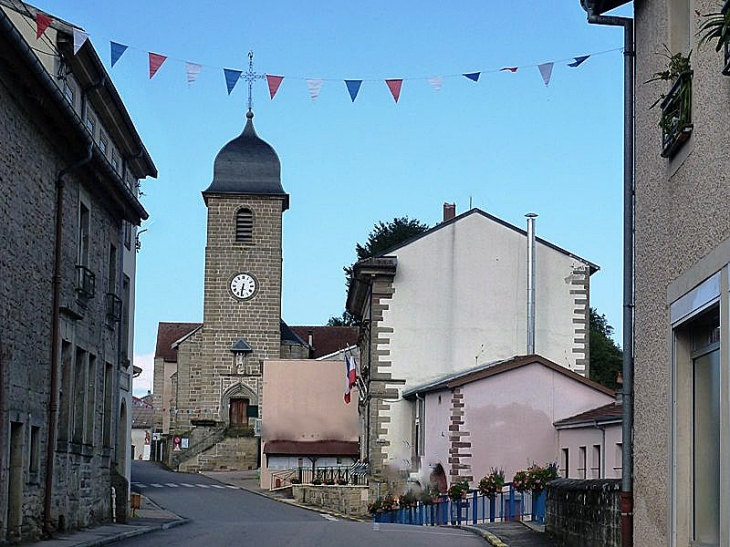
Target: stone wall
(347,500)
(584,513)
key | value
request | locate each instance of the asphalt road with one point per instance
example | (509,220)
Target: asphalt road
(225,516)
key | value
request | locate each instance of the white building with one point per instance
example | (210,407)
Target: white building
(452,298)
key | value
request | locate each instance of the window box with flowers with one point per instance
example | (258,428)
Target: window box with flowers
(716,28)
(491,485)
(676,105)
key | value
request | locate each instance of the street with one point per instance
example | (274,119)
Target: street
(225,515)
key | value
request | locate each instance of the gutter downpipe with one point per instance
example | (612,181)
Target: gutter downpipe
(55,339)
(627,498)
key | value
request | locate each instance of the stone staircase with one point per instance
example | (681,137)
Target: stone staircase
(223,453)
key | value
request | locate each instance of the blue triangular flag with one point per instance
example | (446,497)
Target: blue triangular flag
(117,50)
(232,77)
(353,86)
(473,76)
(578,61)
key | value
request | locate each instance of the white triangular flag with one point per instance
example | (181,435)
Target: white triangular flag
(80,38)
(193,71)
(314,86)
(546,70)
(436,82)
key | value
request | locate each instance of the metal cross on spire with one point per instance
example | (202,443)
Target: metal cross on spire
(251,77)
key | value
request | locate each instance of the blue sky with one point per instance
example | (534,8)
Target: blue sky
(507,144)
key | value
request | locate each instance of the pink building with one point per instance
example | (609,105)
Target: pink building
(499,415)
(305,420)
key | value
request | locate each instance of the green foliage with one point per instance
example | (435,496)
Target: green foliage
(458,490)
(606,357)
(492,484)
(345,320)
(383,236)
(535,478)
(716,28)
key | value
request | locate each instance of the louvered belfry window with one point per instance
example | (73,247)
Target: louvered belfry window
(244,226)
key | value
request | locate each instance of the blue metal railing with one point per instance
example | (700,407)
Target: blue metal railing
(509,505)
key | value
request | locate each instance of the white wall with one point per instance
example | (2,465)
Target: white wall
(588,436)
(460,300)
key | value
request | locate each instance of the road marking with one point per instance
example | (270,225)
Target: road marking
(231,486)
(155,485)
(139,485)
(330,517)
(186,485)
(172,485)
(203,485)
(218,486)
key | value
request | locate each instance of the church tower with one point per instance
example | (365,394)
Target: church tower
(219,365)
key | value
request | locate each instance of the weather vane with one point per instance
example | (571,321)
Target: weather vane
(251,77)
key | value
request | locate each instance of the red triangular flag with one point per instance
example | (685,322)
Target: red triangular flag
(274,83)
(394,86)
(42,22)
(510,68)
(156,61)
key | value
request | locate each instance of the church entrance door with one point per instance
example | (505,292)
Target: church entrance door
(237,413)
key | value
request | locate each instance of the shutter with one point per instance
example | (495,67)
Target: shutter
(244,226)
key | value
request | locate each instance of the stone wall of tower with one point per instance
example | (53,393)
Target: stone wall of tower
(208,376)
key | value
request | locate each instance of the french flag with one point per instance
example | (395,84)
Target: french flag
(351,376)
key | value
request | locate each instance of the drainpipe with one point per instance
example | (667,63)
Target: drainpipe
(55,338)
(531,282)
(627,499)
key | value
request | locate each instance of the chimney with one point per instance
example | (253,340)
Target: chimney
(449,211)
(531,282)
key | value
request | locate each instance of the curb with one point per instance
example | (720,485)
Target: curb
(487,536)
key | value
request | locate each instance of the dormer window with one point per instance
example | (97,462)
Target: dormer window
(244,226)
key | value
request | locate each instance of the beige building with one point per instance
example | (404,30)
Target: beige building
(681,433)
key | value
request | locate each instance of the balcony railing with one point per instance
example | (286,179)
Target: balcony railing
(113,308)
(676,122)
(85,282)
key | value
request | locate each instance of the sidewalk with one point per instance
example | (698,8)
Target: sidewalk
(513,534)
(148,518)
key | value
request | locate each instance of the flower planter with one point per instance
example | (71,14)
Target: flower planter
(676,122)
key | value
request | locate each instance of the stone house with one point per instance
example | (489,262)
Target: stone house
(681,453)
(447,300)
(70,166)
(499,415)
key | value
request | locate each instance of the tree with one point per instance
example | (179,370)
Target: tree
(606,357)
(382,237)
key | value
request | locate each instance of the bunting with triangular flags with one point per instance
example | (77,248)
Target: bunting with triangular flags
(436,82)
(512,69)
(232,77)
(546,70)
(353,88)
(394,85)
(314,85)
(42,22)
(193,71)
(156,61)
(116,51)
(274,83)
(473,76)
(80,38)
(578,61)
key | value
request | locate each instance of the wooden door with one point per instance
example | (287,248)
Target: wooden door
(237,412)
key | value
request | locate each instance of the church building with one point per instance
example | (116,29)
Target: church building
(214,391)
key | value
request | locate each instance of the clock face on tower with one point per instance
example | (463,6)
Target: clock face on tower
(243,286)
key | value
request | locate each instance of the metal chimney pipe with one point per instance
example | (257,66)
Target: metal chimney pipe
(531,282)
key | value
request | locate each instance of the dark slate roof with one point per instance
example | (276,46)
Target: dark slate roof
(247,165)
(498,367)
(168,334)
(328,340)
(142,412)
(289,336)
(241,346)
(612,412)
(313,448)
(600,7)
